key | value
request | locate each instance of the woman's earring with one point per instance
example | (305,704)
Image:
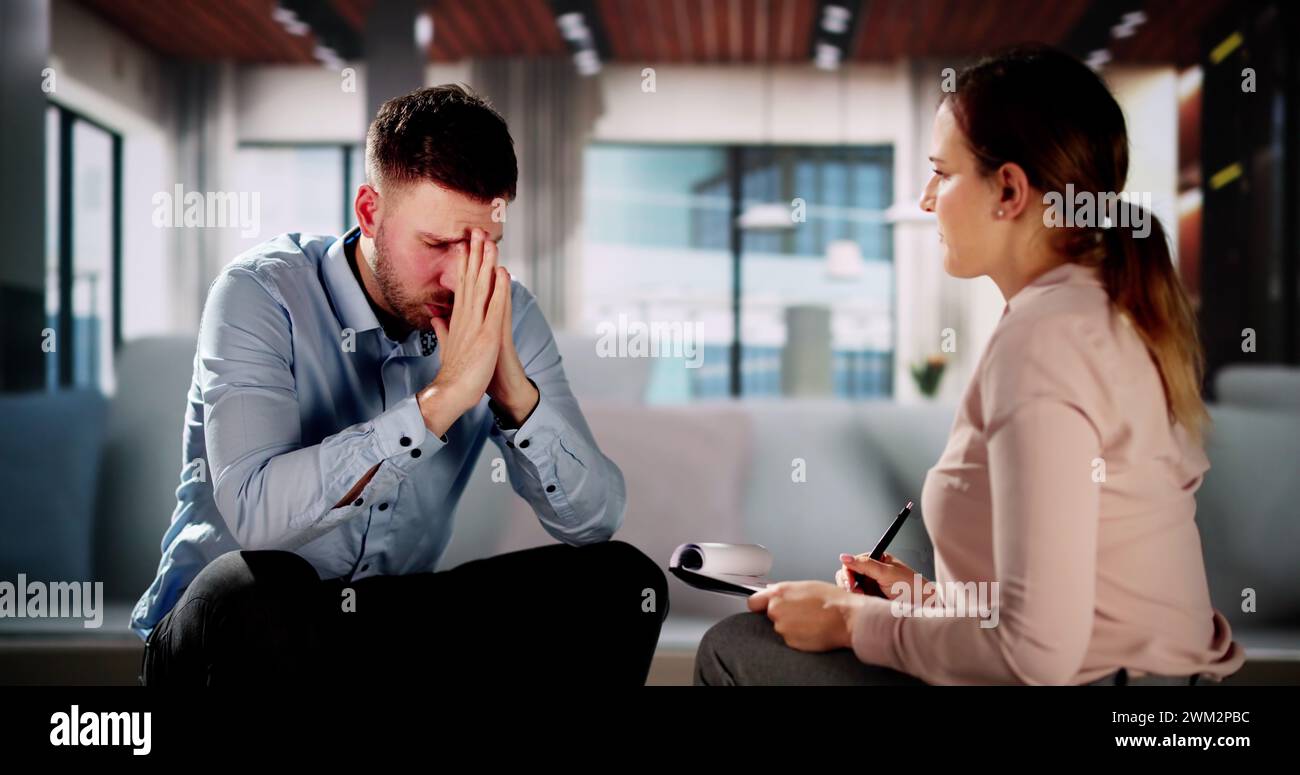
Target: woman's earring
(999,213)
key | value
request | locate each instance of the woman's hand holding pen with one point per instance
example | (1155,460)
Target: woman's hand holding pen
(809,615)
(817,616)
(887,572)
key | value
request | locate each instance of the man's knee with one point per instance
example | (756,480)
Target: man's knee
(621,560)
(624,557)
(265,568)
(247,615)
(256,584)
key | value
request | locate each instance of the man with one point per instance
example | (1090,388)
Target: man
(342,391)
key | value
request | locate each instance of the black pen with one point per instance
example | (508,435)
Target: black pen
(866,583)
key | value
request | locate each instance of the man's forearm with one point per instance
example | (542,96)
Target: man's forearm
(440,407)
(515,408)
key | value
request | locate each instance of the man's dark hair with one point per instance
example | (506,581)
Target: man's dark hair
(444,134)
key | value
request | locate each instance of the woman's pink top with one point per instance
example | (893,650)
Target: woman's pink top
(1064,481)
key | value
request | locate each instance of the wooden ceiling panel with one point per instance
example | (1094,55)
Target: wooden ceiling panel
(242,30)
(1172,32)
(649,31)
(617,29)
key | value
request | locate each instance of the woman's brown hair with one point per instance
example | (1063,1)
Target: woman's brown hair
(1053,116)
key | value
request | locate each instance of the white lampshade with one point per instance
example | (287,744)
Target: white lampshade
(767,217)
(844,260)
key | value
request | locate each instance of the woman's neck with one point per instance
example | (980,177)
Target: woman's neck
(1024,266)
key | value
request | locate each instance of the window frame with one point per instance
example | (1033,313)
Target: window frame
(64,326)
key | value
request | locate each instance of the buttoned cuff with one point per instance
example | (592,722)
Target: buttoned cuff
(399,440)
(504,421)
(542,455)
(534,437)
(400,434)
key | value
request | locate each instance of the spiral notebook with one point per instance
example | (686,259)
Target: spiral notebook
(729,569)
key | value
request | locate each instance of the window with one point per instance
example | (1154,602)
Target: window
(790,283)
(300,188)
(83,232)
(658,249)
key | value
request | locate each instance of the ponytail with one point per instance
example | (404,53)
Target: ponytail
(1140,278)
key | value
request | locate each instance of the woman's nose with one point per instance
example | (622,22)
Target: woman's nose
(927,199)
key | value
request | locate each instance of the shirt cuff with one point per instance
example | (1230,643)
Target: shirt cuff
(874,627)
(541,428)
(502,419)
(400,433)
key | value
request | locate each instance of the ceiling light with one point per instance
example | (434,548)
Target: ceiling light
(424,31)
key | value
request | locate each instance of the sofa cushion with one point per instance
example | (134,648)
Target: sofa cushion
(593,378)
(49,466)
(142,461)
(1246,512)
(684,468)
(1259,387)
(820,486)
(909,438)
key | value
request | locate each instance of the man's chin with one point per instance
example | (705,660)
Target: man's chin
(418,320)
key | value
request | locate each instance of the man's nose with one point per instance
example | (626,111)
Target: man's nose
(447,278)
(451,265)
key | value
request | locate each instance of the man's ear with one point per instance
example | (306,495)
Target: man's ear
(1013,189)
(366,207)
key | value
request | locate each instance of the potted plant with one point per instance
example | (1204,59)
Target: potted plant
(928,374)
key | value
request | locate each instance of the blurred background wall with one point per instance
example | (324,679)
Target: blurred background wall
(628,139)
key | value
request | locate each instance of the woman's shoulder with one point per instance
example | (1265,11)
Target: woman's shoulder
(1066,343)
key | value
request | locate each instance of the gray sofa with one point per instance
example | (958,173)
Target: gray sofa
(717,471)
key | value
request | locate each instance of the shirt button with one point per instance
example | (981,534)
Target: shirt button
(523,444)
(405,441)
(357,502)
(383,507)
(416,452)
(550,488)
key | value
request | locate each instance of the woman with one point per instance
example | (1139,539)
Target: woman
(1070,471)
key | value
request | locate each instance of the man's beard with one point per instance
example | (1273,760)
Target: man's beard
(409,310)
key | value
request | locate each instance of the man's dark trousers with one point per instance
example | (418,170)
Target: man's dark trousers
(551,614)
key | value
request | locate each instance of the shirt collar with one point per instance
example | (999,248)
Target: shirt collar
(353,307)
(1068,273)
(349,298)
